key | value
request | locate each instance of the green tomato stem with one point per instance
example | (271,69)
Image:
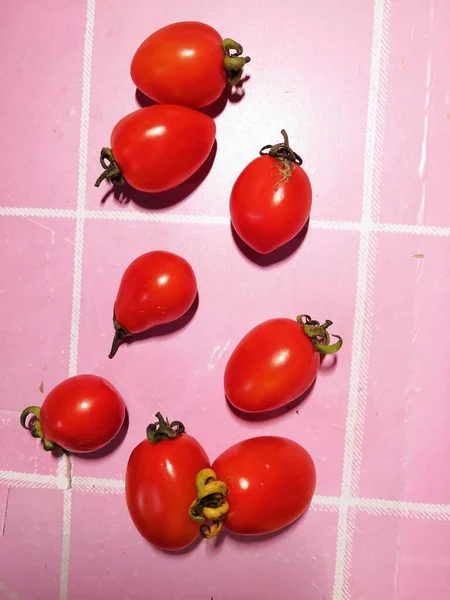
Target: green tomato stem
(163,430)
(319,335)
(233,61)
(120,334)
(35,428)
(282,151)
(111,171)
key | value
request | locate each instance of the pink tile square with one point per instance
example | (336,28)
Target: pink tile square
(399,558)
(40,106)
(181,374)
(30,549)
(36,301)
(416,151)
(317,90)
(110,559)
(406,445)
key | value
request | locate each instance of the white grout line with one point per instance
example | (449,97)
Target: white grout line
(413,229)
(67,463)
(157,217)
(65,555)
(185,219)
(399,508)
(27,480)
(19,211)
(364,291)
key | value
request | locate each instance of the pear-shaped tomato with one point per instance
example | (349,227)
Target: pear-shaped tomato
(156,288)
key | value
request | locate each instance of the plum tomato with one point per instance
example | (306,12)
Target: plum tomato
(276,362)
(186,63)
(270,482)
(271,199)
(81,414)
(160,485)
(157,148)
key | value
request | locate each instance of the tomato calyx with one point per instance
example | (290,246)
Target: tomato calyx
(111,171)
(211,504)
(34,426)
(163,430)
(319,335)
(282,150)
(120,334)
(234,62)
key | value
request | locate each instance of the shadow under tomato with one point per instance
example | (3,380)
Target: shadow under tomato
(109,448)
(277,256)
(219,541)
(124,194)
(328,363)
(166,329)
(187,550)
(232,94)
(271,414)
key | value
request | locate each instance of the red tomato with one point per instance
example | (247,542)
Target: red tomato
(271,199)
(156,148)
(81,414)
(160,485)
(186,63)
(156,288)
(276,362)
(271,481)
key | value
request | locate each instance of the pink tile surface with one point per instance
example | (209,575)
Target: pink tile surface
(405,411)
(408,558)
(36,299)
(30,548)
(40,113)
(417,153)
(129,561)
(363,91)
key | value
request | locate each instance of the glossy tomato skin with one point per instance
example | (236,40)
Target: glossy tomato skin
(159,147)
(181,64)
(156,288)
(272,365)
(271,482)
(82,413)
(160,486)
(268,206)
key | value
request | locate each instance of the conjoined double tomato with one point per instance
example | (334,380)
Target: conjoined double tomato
(276,362)
(158,147)
(257,486)
(81,414)
(187,63)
